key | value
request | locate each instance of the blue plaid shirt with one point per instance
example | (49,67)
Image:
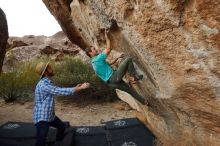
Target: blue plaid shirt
(44,99)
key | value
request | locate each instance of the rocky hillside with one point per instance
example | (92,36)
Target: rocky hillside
(177,47)
(3,37)
(29,47)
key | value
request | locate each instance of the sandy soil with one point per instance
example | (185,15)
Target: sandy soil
(76,113)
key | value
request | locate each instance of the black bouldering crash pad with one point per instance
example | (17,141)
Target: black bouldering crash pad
(22,134)
(123,132)
(129,132)
(90,136)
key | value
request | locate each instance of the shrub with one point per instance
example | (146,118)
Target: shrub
(72,71)
(9,86)
(18,83)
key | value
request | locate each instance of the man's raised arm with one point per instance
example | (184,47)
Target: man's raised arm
(108,50)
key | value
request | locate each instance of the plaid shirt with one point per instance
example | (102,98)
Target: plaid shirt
(44,99)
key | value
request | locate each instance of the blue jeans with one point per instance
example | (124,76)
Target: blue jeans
(43,128)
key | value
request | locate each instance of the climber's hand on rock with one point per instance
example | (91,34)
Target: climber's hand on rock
(106,33)
(122,55)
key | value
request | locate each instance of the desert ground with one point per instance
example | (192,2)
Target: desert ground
(86,113)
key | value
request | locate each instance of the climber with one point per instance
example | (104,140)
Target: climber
(44,114)
(114,78)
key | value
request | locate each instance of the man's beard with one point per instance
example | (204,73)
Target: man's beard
(50,74)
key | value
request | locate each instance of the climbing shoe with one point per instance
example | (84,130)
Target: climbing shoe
(138,77)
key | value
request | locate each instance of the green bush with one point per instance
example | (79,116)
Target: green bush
(20,83)
(9,86)
(72,71)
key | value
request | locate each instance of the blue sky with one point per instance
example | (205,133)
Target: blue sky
(29,17)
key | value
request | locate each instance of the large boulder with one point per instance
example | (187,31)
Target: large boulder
(3,37)
(176,45)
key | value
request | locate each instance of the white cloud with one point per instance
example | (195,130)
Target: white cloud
(29,17)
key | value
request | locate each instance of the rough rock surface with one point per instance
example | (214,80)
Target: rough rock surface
(3,37)
(177,47)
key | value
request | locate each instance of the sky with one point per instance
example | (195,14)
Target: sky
(28,17)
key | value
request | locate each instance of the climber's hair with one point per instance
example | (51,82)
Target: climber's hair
(88,50)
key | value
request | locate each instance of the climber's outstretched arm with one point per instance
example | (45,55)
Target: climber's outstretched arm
(108,50)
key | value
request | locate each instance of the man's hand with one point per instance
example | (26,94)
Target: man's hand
(116,59)
(82,86)
(106,33)
(85,85)
(121,56)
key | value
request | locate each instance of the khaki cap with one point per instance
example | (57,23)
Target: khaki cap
(41,68)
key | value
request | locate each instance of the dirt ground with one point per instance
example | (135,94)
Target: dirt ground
(78,114)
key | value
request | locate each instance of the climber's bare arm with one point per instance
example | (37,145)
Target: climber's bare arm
(112,62)
(116,59)
(108,50)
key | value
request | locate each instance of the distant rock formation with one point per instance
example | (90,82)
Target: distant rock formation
(3,37)
(177,47)
(29,47)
